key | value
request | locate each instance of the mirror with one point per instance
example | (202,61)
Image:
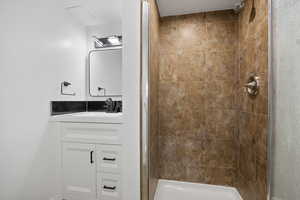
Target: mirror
(105,72)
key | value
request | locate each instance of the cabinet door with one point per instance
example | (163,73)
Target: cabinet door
(79,171)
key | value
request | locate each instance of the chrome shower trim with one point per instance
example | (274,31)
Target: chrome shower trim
(239,6)
(252,86)
(144,102)
(270,101)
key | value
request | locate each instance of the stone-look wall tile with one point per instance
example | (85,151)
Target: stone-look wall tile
(262,10)
(222,64)
(261,156)
(188,31)
(247,162)
(168,147)
(226,132)
(247,59)
(191,65)
(195,174)
(249,135)
(168,70)
(247,188)
(190,152)
(191,33)
(261,139)
(168,32)
(247,128)
(219,176)
(172,170)
(219,118)
(171,107)
(220,153)
(221,93)
(216,176)
(195,103)
(261,183)
(253,111)
(221,36)
(197,95)
(262,60)
(220,16)
(261,35)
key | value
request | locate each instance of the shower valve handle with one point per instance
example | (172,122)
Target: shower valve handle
(252,86)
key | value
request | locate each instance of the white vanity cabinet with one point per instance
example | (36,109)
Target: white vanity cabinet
(91,161)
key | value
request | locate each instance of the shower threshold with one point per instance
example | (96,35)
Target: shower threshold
(177,190)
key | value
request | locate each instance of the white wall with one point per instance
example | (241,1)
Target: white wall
(286,146)
(131,12)
(40,46)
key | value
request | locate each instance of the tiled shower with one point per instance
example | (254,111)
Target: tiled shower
(204,127)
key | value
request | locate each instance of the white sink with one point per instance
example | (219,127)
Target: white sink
(99,117)
(96,114)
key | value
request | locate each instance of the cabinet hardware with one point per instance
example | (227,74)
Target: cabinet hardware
(109,188)
(109,159)
(91,157)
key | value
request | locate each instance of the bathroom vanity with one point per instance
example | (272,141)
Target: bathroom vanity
(91,142)
(91,155)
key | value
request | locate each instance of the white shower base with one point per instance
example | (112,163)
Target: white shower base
(175,190)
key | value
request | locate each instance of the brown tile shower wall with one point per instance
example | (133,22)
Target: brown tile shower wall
(253,112)
(154,62)
(198,79)
(210,130)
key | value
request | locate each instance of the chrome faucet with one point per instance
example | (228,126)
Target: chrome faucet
(113,106)
(109,105)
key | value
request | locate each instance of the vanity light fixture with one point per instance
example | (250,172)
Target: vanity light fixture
(111,41)
(114,40)
(98,42)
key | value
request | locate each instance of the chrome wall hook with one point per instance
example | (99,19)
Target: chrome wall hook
(252,85)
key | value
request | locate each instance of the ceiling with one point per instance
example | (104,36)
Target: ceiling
(181,7)
(94,12)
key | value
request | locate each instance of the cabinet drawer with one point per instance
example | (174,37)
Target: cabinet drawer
(108,186)
(109,158)
(91,133)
